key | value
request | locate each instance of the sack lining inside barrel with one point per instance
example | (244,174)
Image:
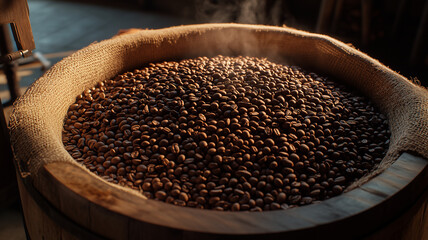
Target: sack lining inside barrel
(37,119)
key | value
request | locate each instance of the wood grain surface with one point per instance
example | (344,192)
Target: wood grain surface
(396,195)
(16,13)
(8,185)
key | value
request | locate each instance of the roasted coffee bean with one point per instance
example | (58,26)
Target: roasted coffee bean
(337,189)
(226,133)
(304,148)
(161,195)
(235,207)
(175,148)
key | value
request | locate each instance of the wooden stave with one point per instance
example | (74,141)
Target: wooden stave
(124,225)
(8,184)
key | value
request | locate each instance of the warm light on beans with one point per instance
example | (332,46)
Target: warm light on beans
(226,133)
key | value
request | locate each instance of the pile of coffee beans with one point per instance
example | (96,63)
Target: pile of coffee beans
(226,133)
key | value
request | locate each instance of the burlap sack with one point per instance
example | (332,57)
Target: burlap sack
(37,118)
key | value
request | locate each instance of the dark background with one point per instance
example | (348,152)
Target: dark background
(393,28)
(393,24)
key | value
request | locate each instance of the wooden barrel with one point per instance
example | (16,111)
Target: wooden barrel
(69,203)
(62,200)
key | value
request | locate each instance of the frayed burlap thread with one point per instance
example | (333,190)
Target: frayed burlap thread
(37,118)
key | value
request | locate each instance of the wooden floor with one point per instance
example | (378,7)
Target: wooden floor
(59,29)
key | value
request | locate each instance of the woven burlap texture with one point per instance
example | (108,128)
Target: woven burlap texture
(37,118)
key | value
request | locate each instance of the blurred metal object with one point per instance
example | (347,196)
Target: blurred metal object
(15,55)
(16,13)
(42,59)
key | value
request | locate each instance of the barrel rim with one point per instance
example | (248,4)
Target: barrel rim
(361,204)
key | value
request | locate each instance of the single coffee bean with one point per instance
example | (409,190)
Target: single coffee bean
(235,207)
(218,159)
(304,148)
(175,148)
(337,189)
(161,195)
(243,173)
(340,180)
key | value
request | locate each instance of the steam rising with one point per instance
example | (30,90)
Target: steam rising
(267,12)
(241,11)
